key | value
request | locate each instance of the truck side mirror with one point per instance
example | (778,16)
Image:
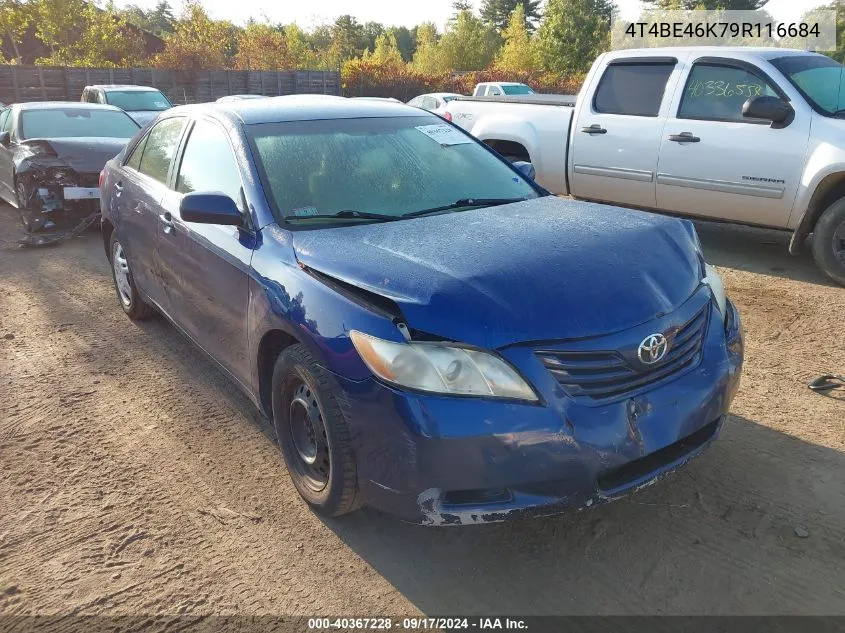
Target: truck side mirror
(5,139)
(772,109)
(525,168)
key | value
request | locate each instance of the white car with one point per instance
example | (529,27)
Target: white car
(499,88)
(434,102)
(748,135)
(142,103)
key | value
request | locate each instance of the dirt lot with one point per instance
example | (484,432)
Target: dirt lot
(135,479)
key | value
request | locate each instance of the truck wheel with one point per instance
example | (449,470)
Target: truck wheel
(127,295)
(829,242)
(313,433)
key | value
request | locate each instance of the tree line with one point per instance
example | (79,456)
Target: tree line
(509,36)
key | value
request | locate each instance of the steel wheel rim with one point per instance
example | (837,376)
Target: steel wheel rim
(308,437)
(839,243)
(121,275)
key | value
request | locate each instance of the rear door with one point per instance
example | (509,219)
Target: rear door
(616,138)
(715,162)
(205,267)
(139,187)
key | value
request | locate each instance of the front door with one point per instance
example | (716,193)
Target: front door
(617,134)
(205,267)
(714,162)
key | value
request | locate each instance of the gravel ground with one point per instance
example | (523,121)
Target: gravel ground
(134,479)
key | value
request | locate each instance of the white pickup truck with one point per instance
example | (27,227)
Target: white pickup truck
(755,136)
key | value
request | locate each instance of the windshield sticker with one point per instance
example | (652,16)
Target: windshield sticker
(305,211)
(160,104)
(444,134)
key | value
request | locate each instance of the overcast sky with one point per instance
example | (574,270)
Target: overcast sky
(399,12)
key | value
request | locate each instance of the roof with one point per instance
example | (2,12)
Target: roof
(300,108)
(766,52)
(64,105)
(125,88)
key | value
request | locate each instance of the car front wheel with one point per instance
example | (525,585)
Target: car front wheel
(829,242)
(127,294)
(313,434)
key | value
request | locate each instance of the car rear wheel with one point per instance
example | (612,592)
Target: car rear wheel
(313,434)
(127,294)
(829,242)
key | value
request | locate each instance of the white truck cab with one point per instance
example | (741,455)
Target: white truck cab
(748,135)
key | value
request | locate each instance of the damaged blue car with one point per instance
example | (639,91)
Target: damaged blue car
(431,332)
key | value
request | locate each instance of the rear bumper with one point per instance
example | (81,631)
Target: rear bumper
(450,461)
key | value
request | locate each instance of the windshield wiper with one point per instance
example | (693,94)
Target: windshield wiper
(346,213)
(464,203)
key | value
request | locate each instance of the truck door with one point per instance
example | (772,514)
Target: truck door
(716,163)
(616,138)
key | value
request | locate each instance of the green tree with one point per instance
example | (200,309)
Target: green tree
(15,18)
(299,52)
(386,52)
(406,41)
(161,18)
(518,53)
(573,33)
(428,57)
(261,47)
(370,33)
(498,12)
(469,44)
(347,40)
(197,41)
(710,5)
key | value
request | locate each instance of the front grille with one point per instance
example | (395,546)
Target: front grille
(612,374)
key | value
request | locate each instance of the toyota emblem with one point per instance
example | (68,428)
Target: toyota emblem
(653,349)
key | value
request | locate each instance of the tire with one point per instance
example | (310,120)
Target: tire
(27,215)
(829,242)
(313,434)
(124,285)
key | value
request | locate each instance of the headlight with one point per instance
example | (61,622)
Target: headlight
(441,368)
(713,280)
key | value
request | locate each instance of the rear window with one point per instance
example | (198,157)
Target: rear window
(77,122)
(517,90)
(632,89)
(138,100)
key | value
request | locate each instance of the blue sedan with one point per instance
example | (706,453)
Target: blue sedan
(431,333)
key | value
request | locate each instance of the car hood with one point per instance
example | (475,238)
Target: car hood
(544,269)
(142,117)
(83,154)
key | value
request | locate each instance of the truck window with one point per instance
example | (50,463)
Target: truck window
(634,89)
(717,93)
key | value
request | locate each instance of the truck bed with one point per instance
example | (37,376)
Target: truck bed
(567,101)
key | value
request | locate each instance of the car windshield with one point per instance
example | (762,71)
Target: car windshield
(137,100)
(520,89)
(76,122)
(390,166)
(818,78)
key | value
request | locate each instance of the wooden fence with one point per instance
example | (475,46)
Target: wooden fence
(54,83)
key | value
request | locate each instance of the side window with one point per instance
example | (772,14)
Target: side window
(99,97)
(160,148)
(717,93)
(7,124)
(134,160)
(635,89)
(494,91)
(208,163)
(4,117)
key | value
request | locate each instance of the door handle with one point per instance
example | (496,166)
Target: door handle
(167,220)
(684,137)
(118,188)
(595,128)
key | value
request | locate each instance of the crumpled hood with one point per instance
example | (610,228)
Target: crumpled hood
(539,270)
(82,154)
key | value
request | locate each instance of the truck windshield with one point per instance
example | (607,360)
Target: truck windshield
(138,100)
(392,166)
(520,89)
(76,122)
(818,78)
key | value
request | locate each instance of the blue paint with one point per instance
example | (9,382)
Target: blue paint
(548,275)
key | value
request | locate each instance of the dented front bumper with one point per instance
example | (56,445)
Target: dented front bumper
(441,460)
(57,195)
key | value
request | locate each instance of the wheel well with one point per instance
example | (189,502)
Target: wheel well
(509,149)
(107,228)
(831,189)
(272,344)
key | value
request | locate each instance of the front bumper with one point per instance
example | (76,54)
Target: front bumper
(440,460)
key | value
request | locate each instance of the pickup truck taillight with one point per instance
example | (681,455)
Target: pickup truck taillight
(100,181)
(447,116)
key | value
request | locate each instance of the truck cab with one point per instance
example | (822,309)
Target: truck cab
(501,88)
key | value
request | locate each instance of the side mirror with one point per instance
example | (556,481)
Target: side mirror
(5,139)
(771,109)
(210,208)
(525,168)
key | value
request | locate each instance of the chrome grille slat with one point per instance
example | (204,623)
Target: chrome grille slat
(607,374)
